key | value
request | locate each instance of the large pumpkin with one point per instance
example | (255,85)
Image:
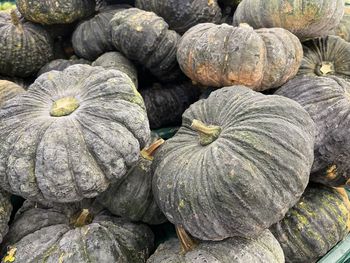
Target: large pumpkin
(240,160)
(9,90)
(74,233)
(223,55)
(304,18)
(71,134)
(181,15)
(24,46)
(61,64)
(314,225)
(327,100)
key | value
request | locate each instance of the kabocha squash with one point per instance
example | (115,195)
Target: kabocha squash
(92,37)
(206,176)
(24,46)
(55,11)
(74,233)
(222,55)
(326,56)
(181,15)
(314,225)
(71,134)
(5,213)
(22,82)
(165,104)
(61,64)
(327,100)
(116,60)
(343,29)
(263,249)
(133,197)
(304,18)
(144,37)
(9,90)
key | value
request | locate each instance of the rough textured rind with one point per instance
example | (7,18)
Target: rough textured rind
(46,234)
(343,29)
(263,249)
(55,11)
(144,37)
(9,90)
(327,100)
(66,159)
(61,64)
(313,226)
(5,213)
(304,18)
(181,15)
(248,178)
(24,48)
(223,55)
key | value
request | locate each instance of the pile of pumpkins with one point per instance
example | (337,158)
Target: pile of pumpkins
(256,171)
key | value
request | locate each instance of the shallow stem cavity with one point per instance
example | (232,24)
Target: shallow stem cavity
(186,242)
(148,152)
(64,107)
(207,133)
(325,68)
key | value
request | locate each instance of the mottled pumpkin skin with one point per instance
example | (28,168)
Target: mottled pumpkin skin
(263,249)
(314,225)
(5,213)
(223,55)
(248,178)
(9,90)
(166,104)
(145,37)
(65,156)
(326,56)
(24,47)
(46,234)
(116,60)
(55,11)
(327,100)
(343,29)
(23,82)
(181,15)
(61,64)
(304,18)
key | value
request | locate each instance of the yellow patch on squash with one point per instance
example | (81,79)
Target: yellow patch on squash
(10,256)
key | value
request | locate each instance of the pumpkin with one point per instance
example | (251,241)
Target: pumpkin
(327,100)
(71,134)
(55,11)
(314,225)
(206,176)
(133,198)
(61,64)
(9,90)
(222,55)
(24,83)
(144,37)
(343,29)
(326,56)
(92,37)
(264,249)
(116,60)
(304,18)
(5,213)
(80,232)
(165,104)
(184,14)
(24,46)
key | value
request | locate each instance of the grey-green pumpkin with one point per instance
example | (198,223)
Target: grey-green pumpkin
(5,213)
(61,64)
(9,90)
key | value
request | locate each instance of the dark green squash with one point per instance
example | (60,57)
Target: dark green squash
(327,100)
(24,46)
(304,18)
(9,90)
(62,64)
(55,11)
(181,15)
(240,160)
(144,37)
(71,134)
(314,225)
(223,55)
(73,233)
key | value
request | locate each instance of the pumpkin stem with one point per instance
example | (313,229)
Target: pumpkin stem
(207,133)
(324,68)
(64,107)
(148,152)
(84,218)
(187,243)
(15,19)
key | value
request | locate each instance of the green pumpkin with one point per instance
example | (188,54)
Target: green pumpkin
(5,213)
(71,134)
(240,160)
(61,64)
(9,90)
(314,225)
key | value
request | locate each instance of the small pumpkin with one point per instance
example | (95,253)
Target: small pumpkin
(181,15)
(24,46)
(9,90)
(55,11)
(304,18)
(223,55)
(327,100)
(205,177)
(61,64)
(71,233)
(314,225)
(71,134)
(144,37)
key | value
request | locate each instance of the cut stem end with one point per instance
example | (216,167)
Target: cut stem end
(148,152)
